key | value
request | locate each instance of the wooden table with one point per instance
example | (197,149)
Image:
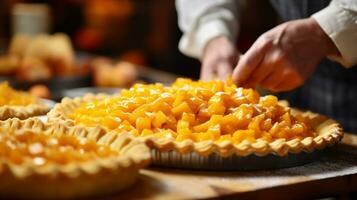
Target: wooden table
(334,173)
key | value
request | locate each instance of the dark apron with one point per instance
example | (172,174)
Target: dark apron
(332,89)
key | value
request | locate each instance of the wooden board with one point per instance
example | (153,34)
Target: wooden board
(333,173)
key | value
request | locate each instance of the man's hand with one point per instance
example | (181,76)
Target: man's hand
(284,57)
(219,58)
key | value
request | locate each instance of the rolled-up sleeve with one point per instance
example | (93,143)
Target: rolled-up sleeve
(339,21)
(203,20)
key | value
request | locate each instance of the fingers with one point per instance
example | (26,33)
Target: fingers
(261,72)
(273,60)
(250,61)
(282,79)
(273,79)
(283,86)
(275,74)
(219,68)
(207,71)
(216,70)
(289,81)
(219,57)
(224,70)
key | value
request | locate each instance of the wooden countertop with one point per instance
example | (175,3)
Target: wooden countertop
(334,173)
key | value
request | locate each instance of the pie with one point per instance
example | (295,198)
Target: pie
(202,117)
(50,161)
(19,104)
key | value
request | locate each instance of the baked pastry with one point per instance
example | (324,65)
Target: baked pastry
(19,104)
(55,51)
(39,58)
(61,54)
(40,91)
(18,45)
(122,74)
(52,161)
(9,64)
(204,118)
(33,69)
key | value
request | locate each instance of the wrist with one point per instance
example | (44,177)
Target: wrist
(327,43)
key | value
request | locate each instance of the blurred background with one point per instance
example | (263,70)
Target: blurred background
(63,44)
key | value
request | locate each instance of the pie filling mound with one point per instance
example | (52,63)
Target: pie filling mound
(12,97)
(23,146)
(195,110)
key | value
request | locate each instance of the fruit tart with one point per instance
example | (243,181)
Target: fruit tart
(52,161)
(197,121)
(19,104)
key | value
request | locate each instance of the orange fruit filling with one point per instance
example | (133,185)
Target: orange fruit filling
(10,96)
(194,110)
(21,146)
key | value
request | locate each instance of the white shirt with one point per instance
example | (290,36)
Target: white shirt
(203,20)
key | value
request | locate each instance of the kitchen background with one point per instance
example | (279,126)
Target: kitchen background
(103,32)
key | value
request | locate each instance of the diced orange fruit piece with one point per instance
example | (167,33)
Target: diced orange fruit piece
(143,123)
(240,135)
(269,101)
(181,108)
(159,119)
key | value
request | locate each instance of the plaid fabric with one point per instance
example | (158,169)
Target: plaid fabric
(332,89)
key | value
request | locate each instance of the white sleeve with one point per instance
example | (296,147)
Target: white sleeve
(203,20)
(339,21)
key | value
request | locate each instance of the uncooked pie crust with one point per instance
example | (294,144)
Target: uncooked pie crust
(75,179)
(328,132)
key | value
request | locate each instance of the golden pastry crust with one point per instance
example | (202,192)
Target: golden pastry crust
(19,104)
(98,176)
(328,132)
(22,112)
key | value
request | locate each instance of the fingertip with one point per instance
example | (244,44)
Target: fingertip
(235,76)
(224,71)
(285,86)
(205,72)
(282,87)
(205,77)
(241,72)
